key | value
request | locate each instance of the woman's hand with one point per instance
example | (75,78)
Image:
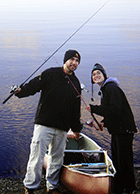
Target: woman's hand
(88,108)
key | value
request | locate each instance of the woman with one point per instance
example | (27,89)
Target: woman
(119,120)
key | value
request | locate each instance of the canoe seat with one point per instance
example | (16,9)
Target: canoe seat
(88,165)
(83,156)
(84,151)
(90,168)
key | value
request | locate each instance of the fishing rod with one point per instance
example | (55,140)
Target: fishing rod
(13,91)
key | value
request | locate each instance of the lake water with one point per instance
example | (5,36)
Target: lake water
(31,30)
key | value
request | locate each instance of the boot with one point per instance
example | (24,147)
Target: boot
(54,191)
(28,191)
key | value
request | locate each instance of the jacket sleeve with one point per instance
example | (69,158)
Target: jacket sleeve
(111,102)
(30,88)
(76,125)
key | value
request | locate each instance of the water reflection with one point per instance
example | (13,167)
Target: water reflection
(31,30)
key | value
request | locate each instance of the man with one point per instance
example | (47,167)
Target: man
(58,111)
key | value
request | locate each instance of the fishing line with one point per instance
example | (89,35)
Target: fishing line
(69,80)
(64,42)
(94,119)
(57,50)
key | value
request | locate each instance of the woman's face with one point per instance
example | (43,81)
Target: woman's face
(97,77)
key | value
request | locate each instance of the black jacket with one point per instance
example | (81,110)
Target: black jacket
(115,109)
(59,104)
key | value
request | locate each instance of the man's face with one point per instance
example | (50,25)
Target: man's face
(71,65)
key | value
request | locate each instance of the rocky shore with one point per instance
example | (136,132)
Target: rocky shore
(15,186)
(11,186)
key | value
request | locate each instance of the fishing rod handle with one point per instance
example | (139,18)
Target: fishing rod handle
(14,89)
(7,98)
(99,125)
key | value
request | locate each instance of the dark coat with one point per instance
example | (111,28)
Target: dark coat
(59,104)
(115,109)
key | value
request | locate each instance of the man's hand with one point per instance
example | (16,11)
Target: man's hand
(15,89)
(18,90)
(73,135)
(76,135)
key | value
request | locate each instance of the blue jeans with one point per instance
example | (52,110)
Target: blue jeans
(43,138)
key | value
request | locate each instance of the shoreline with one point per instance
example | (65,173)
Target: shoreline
(15,186)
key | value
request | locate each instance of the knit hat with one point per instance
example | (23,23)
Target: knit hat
(71,53)
(97,66)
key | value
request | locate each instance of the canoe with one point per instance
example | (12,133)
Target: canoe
(87,168)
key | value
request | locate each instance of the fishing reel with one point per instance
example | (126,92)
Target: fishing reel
(89,123)
(14,89)
(83,87)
